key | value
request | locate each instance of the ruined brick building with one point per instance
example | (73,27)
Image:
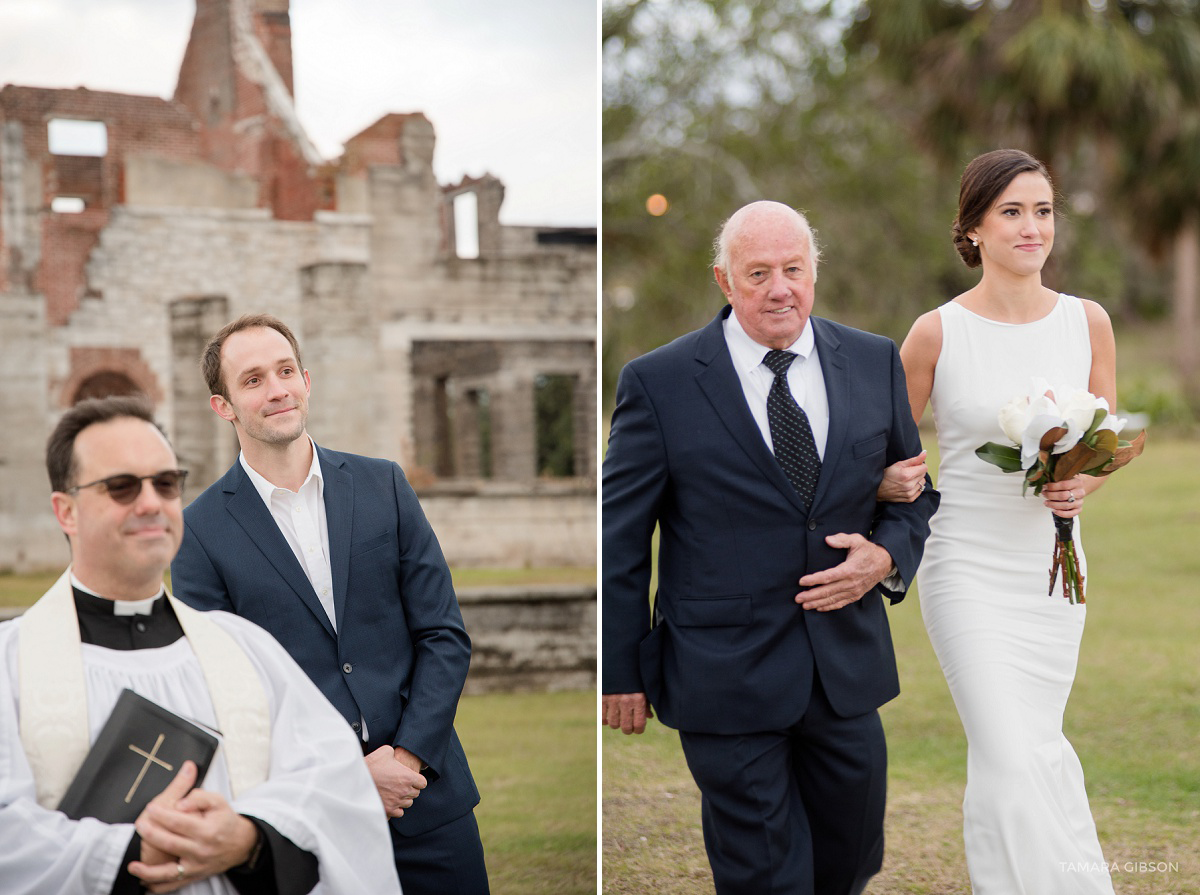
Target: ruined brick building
(477,374)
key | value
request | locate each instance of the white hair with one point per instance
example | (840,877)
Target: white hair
(730,228)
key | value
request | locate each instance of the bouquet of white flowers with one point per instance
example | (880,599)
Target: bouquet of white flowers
(1056,439)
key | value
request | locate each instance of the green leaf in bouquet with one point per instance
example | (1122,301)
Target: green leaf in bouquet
(1035,477)
(1106,441)
(1001,455)
(1100,416)
(1102,460)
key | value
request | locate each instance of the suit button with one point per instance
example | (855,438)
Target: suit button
(356,727)
(812,524)
(347,668)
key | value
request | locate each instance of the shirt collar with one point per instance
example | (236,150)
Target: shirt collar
(121,607)
(265,488)
(748,354)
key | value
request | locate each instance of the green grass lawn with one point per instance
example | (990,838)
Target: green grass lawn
(22,590)
(1133,718)
(534,758)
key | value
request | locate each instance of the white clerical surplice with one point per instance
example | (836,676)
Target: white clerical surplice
(317,793)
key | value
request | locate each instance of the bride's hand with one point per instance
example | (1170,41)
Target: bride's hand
(1065,498)
(903,481)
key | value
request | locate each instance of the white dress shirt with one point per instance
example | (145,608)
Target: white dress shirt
(300,516)
(804,377)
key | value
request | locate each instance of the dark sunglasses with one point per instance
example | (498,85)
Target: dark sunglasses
(126,487)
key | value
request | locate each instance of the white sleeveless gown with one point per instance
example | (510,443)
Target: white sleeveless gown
(1007,649)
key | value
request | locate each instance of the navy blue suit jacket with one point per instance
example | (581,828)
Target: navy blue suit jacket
(731,651)
(400,655)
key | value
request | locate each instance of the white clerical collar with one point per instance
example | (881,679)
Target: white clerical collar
(748,354)
(265,488)
(121,607)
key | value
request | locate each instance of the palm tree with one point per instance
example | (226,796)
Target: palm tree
(1120,76)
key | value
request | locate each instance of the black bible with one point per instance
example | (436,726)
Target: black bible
(138,752)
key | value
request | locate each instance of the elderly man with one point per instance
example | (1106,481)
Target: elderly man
(756,444)
(286,807)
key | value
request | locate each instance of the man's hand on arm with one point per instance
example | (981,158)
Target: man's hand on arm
(627,712)
(199,832)
(864,567)
(397,776)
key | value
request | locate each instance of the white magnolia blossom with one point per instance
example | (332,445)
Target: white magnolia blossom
(1026,419)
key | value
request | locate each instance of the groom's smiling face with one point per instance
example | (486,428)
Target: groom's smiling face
(769,278)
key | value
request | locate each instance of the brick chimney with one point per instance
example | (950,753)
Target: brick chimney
(273,24)
(207,77)
(236,79)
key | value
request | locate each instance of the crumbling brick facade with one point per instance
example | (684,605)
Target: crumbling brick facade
(214,204)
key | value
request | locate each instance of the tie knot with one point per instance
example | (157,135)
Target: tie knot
(779,361)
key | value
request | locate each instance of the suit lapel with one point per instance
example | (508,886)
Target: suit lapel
(720,383)
(836,371)
(339,516)
(248,510)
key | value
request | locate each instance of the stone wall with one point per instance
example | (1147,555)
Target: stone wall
(509,525)
(530,638)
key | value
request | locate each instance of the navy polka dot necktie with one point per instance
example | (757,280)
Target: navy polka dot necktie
(791,435)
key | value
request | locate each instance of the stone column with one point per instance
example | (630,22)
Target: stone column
(514,429)
(468,460)
(29,536)
(585,417)
(204,443)
(340,348)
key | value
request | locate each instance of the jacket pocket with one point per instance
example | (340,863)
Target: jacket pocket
(713,612)
(871,446)
(372,543)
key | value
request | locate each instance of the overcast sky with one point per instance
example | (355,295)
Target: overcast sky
(510,85)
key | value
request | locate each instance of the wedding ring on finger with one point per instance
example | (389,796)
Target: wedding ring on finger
(1070,497)
(178,870)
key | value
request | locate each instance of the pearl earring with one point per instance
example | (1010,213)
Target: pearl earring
(975,242)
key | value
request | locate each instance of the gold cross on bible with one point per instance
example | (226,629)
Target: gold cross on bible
(150,756)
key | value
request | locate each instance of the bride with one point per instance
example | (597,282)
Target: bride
(1007,649)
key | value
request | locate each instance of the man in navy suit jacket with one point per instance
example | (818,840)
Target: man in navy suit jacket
(768,645)
(331,553)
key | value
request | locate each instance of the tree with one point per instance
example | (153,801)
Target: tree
(715,103)
(1115,81)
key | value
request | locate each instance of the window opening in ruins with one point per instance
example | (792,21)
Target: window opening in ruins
(554,403)
(67,204)
(443,463)
(71,136)
(466,225)
(481,400)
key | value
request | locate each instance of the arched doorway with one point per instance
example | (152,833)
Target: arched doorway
(104,384)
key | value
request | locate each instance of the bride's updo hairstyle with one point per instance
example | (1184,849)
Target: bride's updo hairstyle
(984,179)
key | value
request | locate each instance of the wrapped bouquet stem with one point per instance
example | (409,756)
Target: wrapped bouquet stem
(1055,439)
(1066,560)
